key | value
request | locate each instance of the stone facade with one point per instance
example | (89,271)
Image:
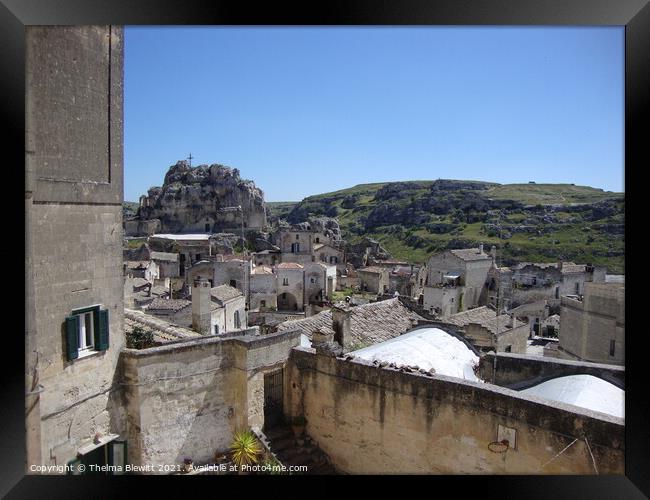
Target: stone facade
(593,329)
(73,239)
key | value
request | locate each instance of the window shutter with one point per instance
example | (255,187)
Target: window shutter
(72,337)
(101,333)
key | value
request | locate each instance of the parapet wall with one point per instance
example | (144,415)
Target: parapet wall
(187,398)
(373,420)
(517,371)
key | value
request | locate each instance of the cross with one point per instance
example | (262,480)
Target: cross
(190,158)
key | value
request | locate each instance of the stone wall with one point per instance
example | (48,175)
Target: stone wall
(519,371)
(188,398)
(372,420)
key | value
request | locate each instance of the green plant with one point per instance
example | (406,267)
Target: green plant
(139,338)
(245,449)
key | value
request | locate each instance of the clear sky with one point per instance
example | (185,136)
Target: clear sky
(303,111)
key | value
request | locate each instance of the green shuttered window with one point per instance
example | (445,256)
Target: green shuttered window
(87,330)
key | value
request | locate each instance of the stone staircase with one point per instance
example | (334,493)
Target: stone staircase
(292,450)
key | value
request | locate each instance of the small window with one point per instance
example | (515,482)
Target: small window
(237,320)
(508,348)
(317,240)
(233,283)
(86,332)
(313,280)
(198,257)
(612,347)
(262,303)
(207,228)
(577,288)
(297,237)
(216,329)
(285,282)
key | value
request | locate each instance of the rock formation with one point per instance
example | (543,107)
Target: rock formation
(193,199)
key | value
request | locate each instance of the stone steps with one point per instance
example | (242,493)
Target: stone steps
(298,451)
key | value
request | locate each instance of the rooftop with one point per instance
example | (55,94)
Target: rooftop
(470,254)
(372,269)
(162,330)
(477,315)
(289,265)
(164,256)
(182,237)
(136,264)
(224,293)
(262,270)
(369,323)
(426,348)
(585,391)
(169,304)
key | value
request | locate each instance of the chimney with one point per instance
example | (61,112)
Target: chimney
(341,318)
(323,343)
(201,306)
(218,258)
(480,248)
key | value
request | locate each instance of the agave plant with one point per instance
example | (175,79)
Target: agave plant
(245,449)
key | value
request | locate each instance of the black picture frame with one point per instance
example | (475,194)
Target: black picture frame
(633,14)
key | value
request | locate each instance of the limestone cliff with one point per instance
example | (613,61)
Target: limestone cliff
(192,199)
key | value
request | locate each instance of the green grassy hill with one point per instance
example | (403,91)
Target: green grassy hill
(527,222)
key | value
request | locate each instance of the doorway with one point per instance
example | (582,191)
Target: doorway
(273,398)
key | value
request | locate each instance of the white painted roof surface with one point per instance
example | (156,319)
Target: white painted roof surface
(426,348)
(182,236)
(585,391)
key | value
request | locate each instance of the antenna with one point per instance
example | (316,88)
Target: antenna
(190,158)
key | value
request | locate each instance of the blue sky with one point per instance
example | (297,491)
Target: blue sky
(303,111)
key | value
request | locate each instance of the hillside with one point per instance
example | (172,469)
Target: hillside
(527,222)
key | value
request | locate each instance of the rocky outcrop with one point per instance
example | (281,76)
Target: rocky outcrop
(366,252)
(200,199)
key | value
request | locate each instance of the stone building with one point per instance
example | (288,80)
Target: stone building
(455,280)
(232,270)
(190,248)
(592,326)
(291,286)
(296,241)
(486,330)
(147,269)
(374,279)
(329,254)
(168,264)
(538,281)
(73,244)
(319,282)
(175,311)
(263,289)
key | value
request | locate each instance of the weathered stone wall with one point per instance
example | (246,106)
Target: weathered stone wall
(263,287)
(188,398)
(382,421)
(518,371)
(73,238)
(232,270)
